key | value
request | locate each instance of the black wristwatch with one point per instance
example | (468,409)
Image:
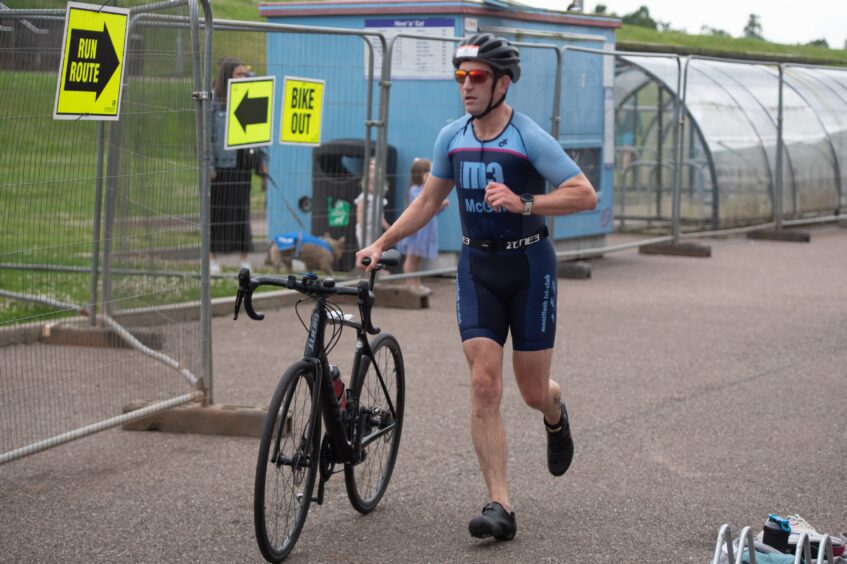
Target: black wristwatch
(528,201)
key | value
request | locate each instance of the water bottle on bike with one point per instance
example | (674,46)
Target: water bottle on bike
(338,386)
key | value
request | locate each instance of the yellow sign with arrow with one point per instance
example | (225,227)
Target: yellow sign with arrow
(249,112)
(91,73)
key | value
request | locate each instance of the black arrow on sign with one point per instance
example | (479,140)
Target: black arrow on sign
(89,70)
(251,111)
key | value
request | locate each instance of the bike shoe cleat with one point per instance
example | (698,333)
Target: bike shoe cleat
(495,522)
(559,443)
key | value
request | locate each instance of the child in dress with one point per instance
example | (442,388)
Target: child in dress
(365,239)
(424,242)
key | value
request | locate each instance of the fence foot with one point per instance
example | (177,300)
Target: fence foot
(574,270)
(677,249)
(97,337)
(781,235)
(216,419)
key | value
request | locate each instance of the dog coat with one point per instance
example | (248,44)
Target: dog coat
(296,239)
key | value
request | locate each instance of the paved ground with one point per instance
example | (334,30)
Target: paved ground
(702,391)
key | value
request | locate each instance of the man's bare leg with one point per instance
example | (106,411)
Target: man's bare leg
(485,360)
(532,372)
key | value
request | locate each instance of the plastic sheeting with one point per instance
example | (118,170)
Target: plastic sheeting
(729,143)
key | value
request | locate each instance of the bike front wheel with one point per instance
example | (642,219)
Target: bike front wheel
(380,391)
(288,463)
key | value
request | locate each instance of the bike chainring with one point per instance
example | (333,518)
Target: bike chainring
(326,467)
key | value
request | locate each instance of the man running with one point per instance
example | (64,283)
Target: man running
(499,160)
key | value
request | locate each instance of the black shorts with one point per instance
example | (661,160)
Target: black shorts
(503,291)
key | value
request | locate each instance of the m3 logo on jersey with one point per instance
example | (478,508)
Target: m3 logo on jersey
(503,143)
(476,176)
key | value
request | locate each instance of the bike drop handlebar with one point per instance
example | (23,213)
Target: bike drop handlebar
(312,286)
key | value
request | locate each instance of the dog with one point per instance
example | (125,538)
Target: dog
(317,253)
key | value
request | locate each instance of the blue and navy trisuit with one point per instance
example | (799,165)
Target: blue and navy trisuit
(504,290)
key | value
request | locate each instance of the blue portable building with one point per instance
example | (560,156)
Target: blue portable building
(423,97)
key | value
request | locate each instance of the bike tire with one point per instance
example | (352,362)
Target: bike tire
(283,492)
(368,479)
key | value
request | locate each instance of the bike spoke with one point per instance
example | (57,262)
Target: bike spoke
(286,475)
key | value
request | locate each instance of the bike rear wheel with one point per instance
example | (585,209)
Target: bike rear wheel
(288,463)
(380,392)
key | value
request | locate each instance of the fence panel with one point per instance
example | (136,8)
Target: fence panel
(814,130)
(100,233)
(645,149)
(738,114)
(311,189)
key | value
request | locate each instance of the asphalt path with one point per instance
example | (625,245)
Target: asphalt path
(701,392)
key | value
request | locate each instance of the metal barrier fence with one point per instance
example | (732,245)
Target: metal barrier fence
(754,152)
(140,277)
(106,229)
(101,232)
(314,189)
(645,173)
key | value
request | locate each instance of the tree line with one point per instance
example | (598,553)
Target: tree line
(642,18)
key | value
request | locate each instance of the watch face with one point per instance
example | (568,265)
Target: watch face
(527,198)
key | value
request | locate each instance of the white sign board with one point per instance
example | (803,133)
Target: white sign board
(414,58)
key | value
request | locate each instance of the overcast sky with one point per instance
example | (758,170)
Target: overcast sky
(782,21)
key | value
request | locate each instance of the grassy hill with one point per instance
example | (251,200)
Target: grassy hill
(236,10)
(641,38)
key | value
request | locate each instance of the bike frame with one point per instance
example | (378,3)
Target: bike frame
(345,449)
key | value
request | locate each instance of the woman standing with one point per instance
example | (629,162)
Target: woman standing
(231,177)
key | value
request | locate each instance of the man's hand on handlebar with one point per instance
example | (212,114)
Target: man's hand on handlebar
(374,252)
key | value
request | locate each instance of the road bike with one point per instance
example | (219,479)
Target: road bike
(363,423)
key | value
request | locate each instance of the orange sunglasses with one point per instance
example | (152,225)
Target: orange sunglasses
(477,76)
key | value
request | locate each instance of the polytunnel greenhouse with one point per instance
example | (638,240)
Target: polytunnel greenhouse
(726,153)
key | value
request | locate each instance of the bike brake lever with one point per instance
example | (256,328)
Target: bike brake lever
(243,288)
(238,299)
